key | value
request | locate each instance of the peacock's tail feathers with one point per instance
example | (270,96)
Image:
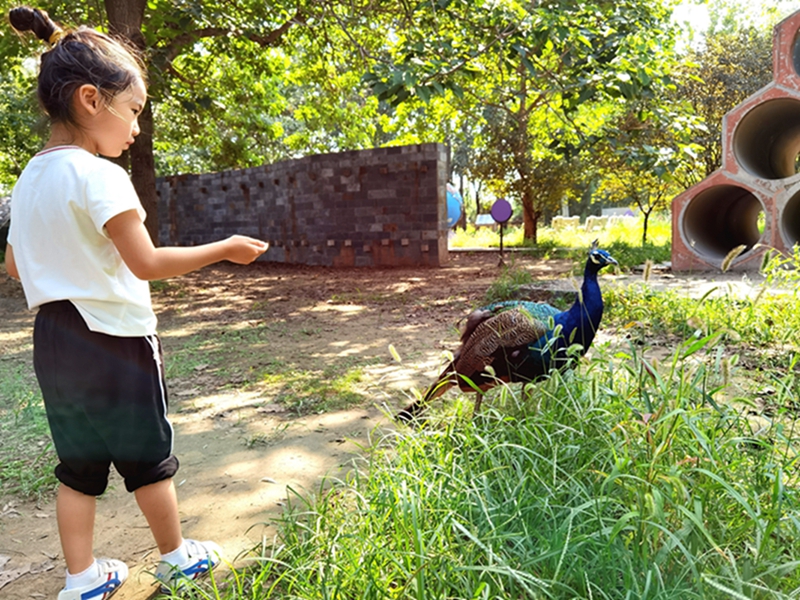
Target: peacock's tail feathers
(537,310)
(445,381)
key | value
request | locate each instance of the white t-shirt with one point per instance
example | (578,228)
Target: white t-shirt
(59,208)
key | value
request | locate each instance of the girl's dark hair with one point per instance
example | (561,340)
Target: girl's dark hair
(76,57)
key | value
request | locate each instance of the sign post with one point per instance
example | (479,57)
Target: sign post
(501,213)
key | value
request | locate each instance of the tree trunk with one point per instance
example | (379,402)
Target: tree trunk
(646,215)
(143,171)
(125,18)
(462,222)
(478,187)
(529,219)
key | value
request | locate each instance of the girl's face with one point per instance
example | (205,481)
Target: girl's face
(113,128)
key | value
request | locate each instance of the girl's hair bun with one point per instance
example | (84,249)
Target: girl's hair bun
(25,18)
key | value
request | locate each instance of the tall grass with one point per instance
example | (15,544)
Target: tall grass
(766,323)
(619,481)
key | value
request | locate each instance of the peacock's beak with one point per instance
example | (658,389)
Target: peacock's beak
(612,261)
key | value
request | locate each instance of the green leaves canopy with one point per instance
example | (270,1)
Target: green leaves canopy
(538,79)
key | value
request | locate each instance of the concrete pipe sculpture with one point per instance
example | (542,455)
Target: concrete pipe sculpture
(753,200)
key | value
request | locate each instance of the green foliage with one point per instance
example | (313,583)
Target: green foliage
(598,45)
(278,104)
(537,81)
(767,319)
(261,82)
(620,482)
(647,158)
(219,123)
(623,241)
(20,128)
(713,84)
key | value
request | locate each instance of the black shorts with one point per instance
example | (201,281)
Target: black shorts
(106,402)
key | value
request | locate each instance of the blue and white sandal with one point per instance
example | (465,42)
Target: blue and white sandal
(203,557)
(113,574)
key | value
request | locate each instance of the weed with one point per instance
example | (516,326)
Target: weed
(624,479)
(767,320)
(309,391)
(168,288)
(267,439)
(504,286)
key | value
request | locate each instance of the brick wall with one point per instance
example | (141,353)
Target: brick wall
(379,207)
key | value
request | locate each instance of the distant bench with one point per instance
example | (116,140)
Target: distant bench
(485,221)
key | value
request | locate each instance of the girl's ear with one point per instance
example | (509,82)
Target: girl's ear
(87,98)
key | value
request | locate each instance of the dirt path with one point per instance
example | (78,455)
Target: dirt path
(241,446)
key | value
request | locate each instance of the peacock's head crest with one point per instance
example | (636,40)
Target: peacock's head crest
(600,258)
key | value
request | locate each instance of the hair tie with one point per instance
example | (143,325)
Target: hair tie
(55,36)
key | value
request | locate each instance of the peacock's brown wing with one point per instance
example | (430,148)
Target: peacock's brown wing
(499,337)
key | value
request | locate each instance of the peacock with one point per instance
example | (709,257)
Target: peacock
(520,340)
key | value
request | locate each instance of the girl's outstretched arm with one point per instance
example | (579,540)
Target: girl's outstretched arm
(11,266)
(147,262)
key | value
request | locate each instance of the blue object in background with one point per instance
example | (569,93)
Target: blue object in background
(455,206)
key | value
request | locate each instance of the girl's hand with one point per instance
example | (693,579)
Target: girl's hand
(243,250)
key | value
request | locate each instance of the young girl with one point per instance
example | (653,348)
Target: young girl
(78,244)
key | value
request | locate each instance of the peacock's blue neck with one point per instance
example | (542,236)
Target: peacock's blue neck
(585,314)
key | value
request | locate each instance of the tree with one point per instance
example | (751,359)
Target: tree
(163,31)
(194,46)
(20,129)
(517,59)
(250,81)
(513,158)
(646,154)
(717,77)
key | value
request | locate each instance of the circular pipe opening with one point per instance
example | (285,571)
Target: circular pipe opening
(767,140)
(796,54)
(721,218)
(790,221)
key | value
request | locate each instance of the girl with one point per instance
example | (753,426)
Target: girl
(78,244)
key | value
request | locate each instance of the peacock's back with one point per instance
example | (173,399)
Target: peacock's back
(540,311)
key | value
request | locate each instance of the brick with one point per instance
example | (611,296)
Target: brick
(386,208)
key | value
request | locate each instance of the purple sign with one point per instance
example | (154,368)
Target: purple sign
(501,210)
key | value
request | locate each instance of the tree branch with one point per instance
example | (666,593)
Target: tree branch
(176,45)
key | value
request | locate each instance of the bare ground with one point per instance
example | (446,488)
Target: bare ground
(242,447)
